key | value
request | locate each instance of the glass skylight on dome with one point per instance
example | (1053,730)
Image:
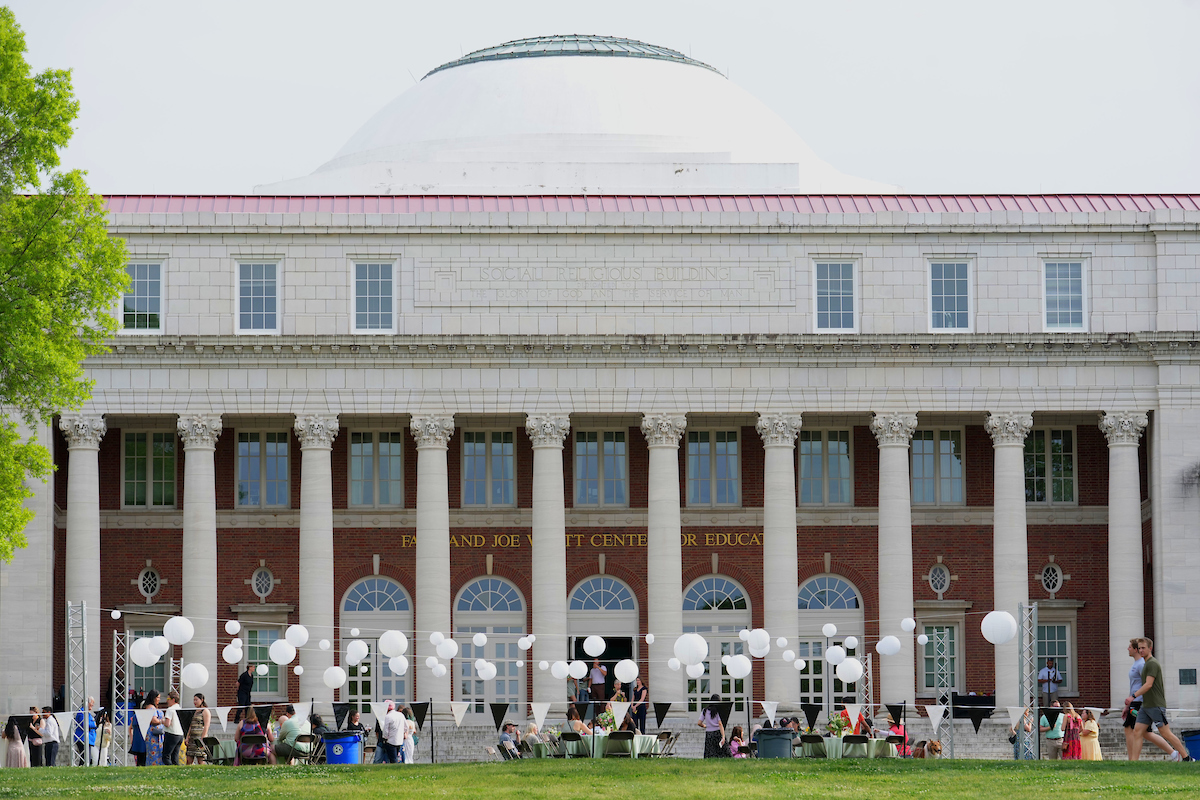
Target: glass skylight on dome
(573,45)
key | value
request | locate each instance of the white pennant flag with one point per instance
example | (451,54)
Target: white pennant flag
(539,713)
(769,707)
(1096,712)
(221,714)
(144,715)
(935,715)
(377,711)
(1015,713)
(66,722)
(853,709)
(459,707)
(302,710)
(619,711)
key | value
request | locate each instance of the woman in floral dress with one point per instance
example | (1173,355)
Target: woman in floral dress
(154,735)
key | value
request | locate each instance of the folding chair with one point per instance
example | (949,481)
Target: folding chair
(619,744)
(368,752)
(855,746)
(254,739)
(664,739)
(491,751)
(896,741)
(304,758)
(669,749)
(524,749)
(567,739)
(318,752)
(817,742)
(212,746)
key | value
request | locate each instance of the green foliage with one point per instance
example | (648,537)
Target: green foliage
(60,273)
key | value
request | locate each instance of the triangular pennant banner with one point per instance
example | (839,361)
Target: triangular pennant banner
(539,713)
(185,718)
(303,711)
(724,709)
(264,714)
(65,721)
(976,715)
(852,710)
(144,715)
(459,707)
(1051,714)
(619,711)
(1015,713)
(221,714)
(23,722)
(378,709)
(660,713)
(769,707)
(340,712)
(498,712)
(419,711)
(896,710)
(1096,712)
(811,711)
(582,707)
(935,715)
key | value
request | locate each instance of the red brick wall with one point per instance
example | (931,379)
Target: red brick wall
(866,468)
(109,463)
(980,467)
(1091,465)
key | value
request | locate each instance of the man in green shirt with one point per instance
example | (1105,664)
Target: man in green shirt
(1054,734)
(286,747)
(1153,694)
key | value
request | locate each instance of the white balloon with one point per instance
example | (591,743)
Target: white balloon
(799,664)
(296,635)
(744,634)
(354,631)
(922,640)
(142,654)
(447,649)
(282,652)
(356,651)
(739,666)
(835,655)
(324,644)
(725,659)
(673,663)
(393,643)
(908,624)
(436,638)
(431,662)
(523,643)
(159,645)
(231,654)
(299,670)
(594,645)
(789,655)
(760,653)
(577,669)
(439,670)
(520,663)
(261,669)
(236,642)
(849,670)
(398,665)
(759,639)
(232,627)
(543,665)
(695,670)
(781,642)
(479,662)
(649,638)
(851,642)
(998,627)
(531,638)
(488,672)
(179,630)
(560,670)
(116,614)
(691,648)
(626,670)
(479,639)
(194,675)
(334,677)
(829,629)
(888,646)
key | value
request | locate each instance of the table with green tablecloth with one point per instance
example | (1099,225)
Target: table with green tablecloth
(641,745)
(874,748)
(540,750)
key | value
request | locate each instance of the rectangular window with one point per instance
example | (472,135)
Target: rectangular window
(600,468)
(154,677)
(937,466)
(949,296)
(1050,466)
(257,298)
(712,468)
(262,469)
(372,297)
(150,470)
(825,467)
(488,468)
(143,298)
(947,660)
(835,296)
(375,465)
(1064,295)
(258,646)
(1053,641)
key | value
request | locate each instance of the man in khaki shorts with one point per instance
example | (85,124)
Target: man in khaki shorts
(1154,706)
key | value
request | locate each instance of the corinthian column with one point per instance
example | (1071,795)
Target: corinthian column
(664,554)
(1126,609)
(432,434)
(199,433)
(1010,551)
(83,435)
(547,432)
(316,433)
(897,674)
(780,617)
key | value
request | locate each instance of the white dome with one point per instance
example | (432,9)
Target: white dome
(502,121)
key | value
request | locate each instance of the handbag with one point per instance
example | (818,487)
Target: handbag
(1012,738)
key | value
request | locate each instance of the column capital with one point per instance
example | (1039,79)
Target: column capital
(83,430)
(316,430)
(663,430)
(547,430)
(1008,427)
(893,427)
(778,429)
(1122,427)
(433,430)
(199,430)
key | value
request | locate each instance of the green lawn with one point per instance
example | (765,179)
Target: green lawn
(861,780)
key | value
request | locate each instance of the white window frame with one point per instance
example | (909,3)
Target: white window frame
(1049,430)
(468,623)
(237,435)
(280,671)
(1083,289)
(374,434)
(600,457)
(1063,612)
(237,297)
(354,265)
(712,473)
(162,284)
(488,480)
(937,466)
(150,506)
(939,568)
(855,268)
(924,677)
(970,327)
(825,456)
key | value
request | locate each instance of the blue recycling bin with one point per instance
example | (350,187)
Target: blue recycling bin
(1191,740)
(343,747)
(775,742)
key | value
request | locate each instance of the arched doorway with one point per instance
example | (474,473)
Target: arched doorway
(717,608)
(494,607)
(823,599)
(603,606)
(374,605)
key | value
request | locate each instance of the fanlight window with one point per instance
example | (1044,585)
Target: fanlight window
(602,594)
(827,592)
(714,594)
(376,594)
(490,594)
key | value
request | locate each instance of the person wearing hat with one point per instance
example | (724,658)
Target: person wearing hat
(896,729)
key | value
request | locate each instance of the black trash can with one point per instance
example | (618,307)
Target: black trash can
(775,742)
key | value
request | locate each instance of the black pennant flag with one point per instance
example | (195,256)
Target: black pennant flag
(582,707)
(419,711)
(896,710)
(264,714)
(185,719)
(810,713)
(660,712)
(23,722)
(498,712)
(1051,714)
(340,712)
(977,716)
(723,710)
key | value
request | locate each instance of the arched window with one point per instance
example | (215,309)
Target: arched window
(602,593)
(376,594)
(717,608)
(827,592)
(490,594)
(714,594)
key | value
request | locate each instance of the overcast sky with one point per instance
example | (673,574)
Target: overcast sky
(1011,96)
